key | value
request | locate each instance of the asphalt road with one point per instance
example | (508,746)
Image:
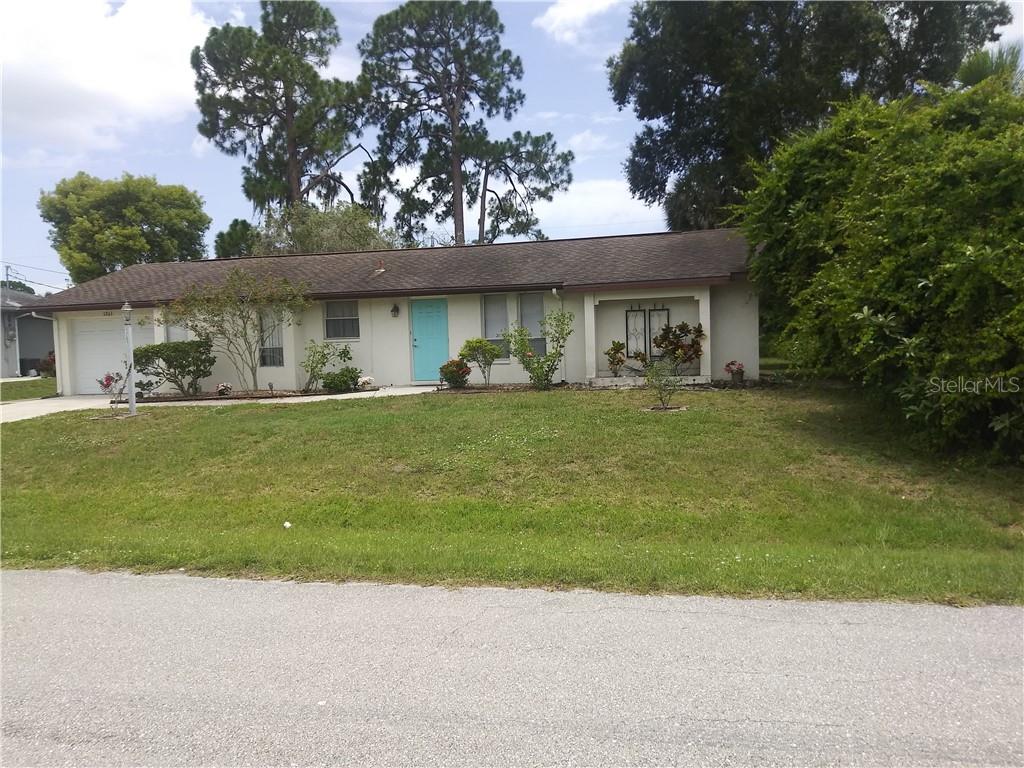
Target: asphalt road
(114,669)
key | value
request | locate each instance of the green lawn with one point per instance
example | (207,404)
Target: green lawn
(28,390)
(757,492)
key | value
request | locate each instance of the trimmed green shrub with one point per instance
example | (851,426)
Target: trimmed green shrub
(182,364)
(345,380)
(483,353)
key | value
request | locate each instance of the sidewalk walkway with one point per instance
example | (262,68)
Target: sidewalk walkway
(17,410)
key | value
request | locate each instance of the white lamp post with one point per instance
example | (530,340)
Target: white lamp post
(129,356)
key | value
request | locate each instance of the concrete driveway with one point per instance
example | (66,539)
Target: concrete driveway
(16,410)
(115,669)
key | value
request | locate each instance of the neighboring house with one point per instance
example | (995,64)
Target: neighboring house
(27,332)
(405,312)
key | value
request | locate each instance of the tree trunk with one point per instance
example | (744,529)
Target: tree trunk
(483,203)
(292,161)
(457,192)
(457,198)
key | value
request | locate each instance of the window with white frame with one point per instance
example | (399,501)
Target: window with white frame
(496,319)
(531,312)
(272,334)
(342,320)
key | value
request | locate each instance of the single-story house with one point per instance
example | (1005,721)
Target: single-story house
(405,312)
(28,332)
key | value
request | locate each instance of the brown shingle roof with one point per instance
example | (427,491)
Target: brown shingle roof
(628,260)
(19,300)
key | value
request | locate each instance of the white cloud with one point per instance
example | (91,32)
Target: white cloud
(597,207)
(606,118)
(237,15)
(79,75)
(567,20)
(200,146)
(344,66)
(586,143)
(41,158)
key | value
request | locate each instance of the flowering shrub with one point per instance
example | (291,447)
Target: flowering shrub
(455,373)
(48,366)
(733,367)
(345,380)
(556,328)
(224,389)
(318,356)
(112,385)
(109,382)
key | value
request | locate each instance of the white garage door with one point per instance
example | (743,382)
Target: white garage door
(97,346)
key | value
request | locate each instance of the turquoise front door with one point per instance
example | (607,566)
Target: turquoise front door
(429,338)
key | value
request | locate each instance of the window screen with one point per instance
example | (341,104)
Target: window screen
(272,351)
(342,320)
(496,319)
(531,312)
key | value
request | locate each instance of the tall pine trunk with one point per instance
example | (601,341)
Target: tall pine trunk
(483,203)
(458,195)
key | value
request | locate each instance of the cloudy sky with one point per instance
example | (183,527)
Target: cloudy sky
(107,88)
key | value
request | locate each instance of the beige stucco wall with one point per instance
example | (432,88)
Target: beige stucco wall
(383,349)
(734,323)
(610,320)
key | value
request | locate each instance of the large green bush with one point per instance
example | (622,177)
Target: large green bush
(889,250)
(182,364)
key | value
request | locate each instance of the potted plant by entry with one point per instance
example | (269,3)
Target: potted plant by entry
(735,369)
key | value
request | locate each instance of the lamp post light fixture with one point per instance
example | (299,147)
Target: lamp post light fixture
(394,310)
(129,356)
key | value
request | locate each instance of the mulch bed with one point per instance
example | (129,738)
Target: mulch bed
(256,394)
(479,389)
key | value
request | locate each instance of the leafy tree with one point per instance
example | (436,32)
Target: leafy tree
(239,316)
(890,251)
(238,240)
(306,229)
(17,285)
(527,168)
(98,225)
(719,84)
(261,96)
(432,68)
(1006,62)
(183,364)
